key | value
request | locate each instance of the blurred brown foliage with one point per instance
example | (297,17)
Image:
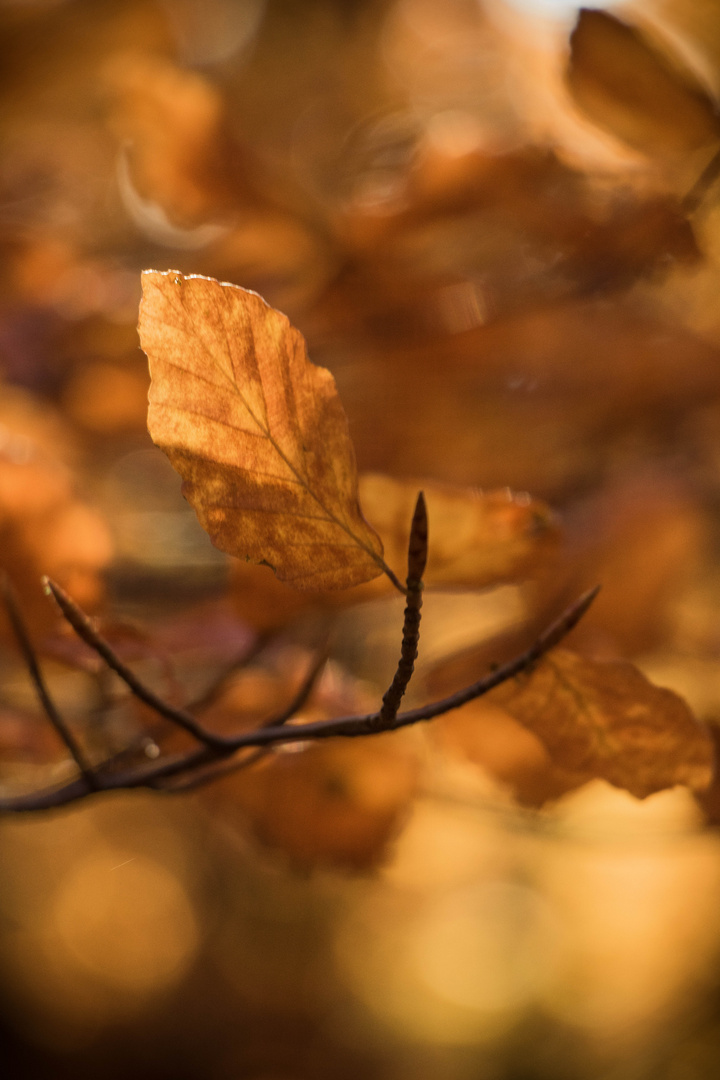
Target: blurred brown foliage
(488,226)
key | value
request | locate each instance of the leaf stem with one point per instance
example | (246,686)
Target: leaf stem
(393,576)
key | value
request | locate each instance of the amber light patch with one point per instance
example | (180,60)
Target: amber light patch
(127,924)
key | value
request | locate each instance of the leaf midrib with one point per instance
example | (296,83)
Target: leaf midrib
(330,516)
(231,379)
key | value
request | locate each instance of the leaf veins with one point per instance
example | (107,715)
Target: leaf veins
(605,719)
(257,432)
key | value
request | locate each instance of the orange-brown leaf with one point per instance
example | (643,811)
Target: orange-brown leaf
(628,87)
(487,735)
(605,719)
(477,538)
(337,803)
(256,430)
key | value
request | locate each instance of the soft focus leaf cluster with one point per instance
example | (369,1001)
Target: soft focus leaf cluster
(488,228)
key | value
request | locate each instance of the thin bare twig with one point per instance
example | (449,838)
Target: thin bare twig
(49,707)
(295,704)
(702,185)
(352,726)
(85,630)
(417,560)
(151,775)
(215,771)
(211,693)
(303,693)
(226,768)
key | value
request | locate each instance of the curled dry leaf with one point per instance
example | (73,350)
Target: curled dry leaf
(256,430)
(628,87)
(604,719)
(477,539)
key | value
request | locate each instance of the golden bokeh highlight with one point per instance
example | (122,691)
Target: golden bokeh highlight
(600,915)
(98,930)
(126,923)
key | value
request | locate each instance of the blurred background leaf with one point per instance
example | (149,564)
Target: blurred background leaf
(489,246)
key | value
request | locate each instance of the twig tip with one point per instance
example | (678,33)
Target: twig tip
(418,541)
(587,599)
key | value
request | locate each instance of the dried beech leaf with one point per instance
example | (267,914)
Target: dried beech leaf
(629,88)
(256,430)
(477,538)
(606,720)
(490,737)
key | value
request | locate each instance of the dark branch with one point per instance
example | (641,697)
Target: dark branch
(210,695)
(351,726)
(226,768)
(85,630)
(302,695)
(702,185)
(417,559)
(187,767)
(213,772)
(50,708)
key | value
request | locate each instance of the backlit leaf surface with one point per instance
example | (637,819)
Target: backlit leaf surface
(605,719)
(478,538)
(256,430)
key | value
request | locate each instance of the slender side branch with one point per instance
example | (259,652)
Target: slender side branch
(702,185)
(417,560)
(225,768)
(85,630)
(50,708)
(215,771)
(211,693)
(352,726)
(304,691)
(188,766)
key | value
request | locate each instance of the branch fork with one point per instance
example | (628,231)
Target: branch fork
(216,755)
